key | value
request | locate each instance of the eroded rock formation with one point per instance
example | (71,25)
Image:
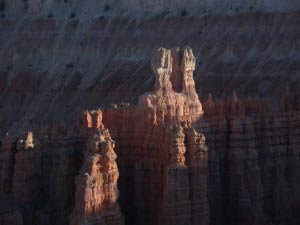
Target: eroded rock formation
(250,166)
(27,171)
(175,98)
(153,141)
(96,197)
(234,161)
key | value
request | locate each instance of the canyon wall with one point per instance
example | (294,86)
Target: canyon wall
(160,154)
(37,176)
(159,151)
(253,151)
(52,67)
(223,161)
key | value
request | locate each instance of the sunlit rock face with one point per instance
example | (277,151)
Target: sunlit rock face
(175,98)
(96,197)
(158,149)
(163,158)
(75,173)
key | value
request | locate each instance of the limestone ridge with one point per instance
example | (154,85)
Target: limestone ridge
(175,98)
(96,198)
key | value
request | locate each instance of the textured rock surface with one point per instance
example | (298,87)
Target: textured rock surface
(235,161)
(173,105)
(152,151)
(250,168)
(27,171)
(57,66)
(40,189)
(96,197)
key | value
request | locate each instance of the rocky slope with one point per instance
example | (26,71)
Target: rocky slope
(60,65)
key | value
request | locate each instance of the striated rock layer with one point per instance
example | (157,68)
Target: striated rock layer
(153,141)
(42,169)
(52,67)
(253,152)
(180,162)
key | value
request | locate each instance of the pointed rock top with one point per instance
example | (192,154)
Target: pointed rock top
(234,97)
(210,98)
(28,142)
(91,118)
(188,61)
(161,61)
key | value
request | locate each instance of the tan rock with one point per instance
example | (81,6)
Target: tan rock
(166,104)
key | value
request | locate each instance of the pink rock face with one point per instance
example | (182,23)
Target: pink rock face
(169,104)
(235,161)
(91,119)
(96,197)
(165,155)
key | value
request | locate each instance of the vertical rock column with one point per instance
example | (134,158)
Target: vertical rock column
(192,109)
(273,161)
(176,205)
(197,160)
(96,197)
(245,187)
(27,172)
(293,164)
(169,104)
(215,130)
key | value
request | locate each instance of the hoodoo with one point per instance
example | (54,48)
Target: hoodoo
(162,161)
(96,197)
(174,99)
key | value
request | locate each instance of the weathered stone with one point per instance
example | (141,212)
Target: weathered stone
(166,104)
(96,198)
(236,164)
